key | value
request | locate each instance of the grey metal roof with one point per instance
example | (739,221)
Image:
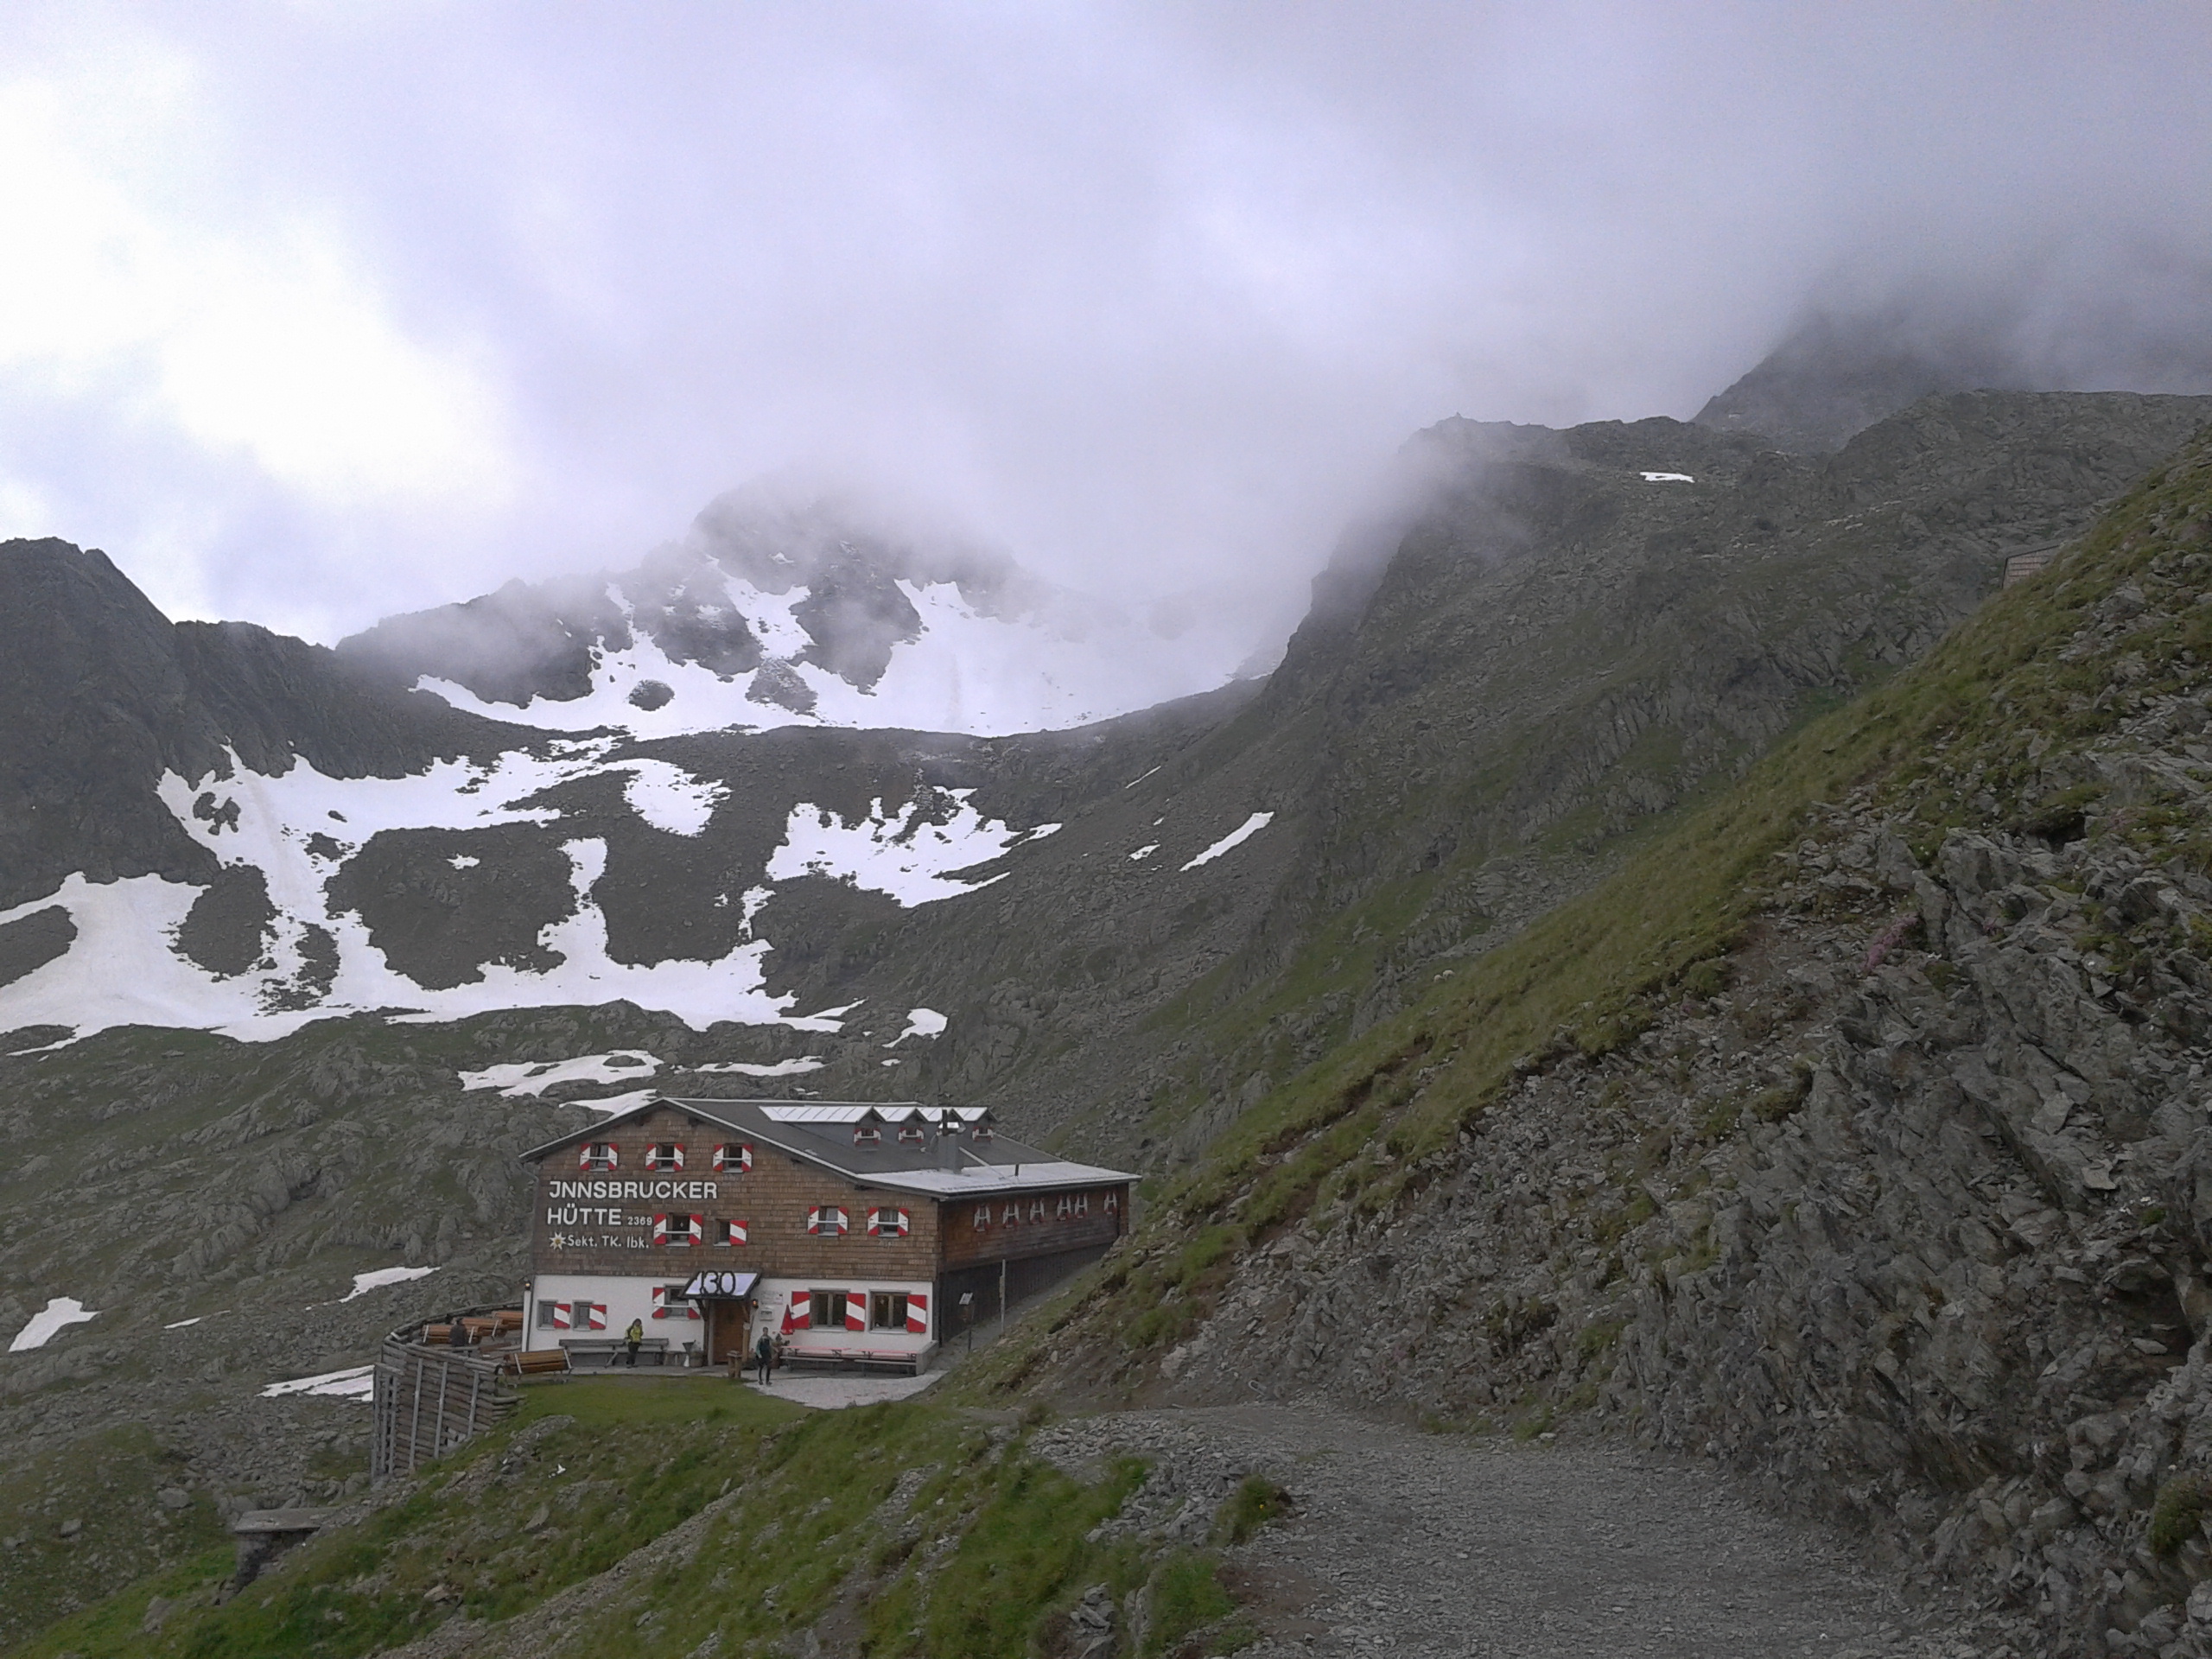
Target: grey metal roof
(996,1164)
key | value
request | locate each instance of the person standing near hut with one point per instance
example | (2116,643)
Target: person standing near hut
(632,1338)
(764,1356)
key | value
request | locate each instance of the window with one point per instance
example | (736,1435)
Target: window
(679,1232)
(887,1310)
(826,1309)
(545,1316)
(596,1154)
(912,1134)
(981,1221)
(1064,1209)
(666,1154)
(826,1220)
(1037,1210)
(980,1132)
(1011,1216)
(729,1232)
(866,1135)
(890,1223)
(671,1303)
(733,1159)
(1081,1204)
(1113,1204)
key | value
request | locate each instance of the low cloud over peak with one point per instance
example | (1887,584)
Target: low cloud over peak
(342,313)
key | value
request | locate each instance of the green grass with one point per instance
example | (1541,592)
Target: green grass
(916,1529)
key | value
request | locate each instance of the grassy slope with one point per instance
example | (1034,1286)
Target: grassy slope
(981,1545)
(1371,1122)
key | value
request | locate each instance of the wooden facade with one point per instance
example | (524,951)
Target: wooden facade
(890,1211)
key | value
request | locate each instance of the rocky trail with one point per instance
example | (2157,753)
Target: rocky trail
(1419,1544)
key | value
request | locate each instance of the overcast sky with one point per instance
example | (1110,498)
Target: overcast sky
(309,312)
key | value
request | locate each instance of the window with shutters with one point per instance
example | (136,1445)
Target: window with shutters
(596,1154)
(827,1309)
(981,1221)
(912,1134)
(664,1155)
(866,1135)
(729,1232)
(1081,1204)
(887,1310)
(980,1132)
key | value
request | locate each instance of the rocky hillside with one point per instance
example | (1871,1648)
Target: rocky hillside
(1855,1135)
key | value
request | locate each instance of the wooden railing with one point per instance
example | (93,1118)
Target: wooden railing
(430,1398)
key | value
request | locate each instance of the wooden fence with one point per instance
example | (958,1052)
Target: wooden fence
(429,1400)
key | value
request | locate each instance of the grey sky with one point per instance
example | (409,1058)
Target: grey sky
(313,311)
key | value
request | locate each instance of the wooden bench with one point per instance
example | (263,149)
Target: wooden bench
(880,1359)
(537,1362)
(614,1348)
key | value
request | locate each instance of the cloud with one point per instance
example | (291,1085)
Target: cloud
(361,309)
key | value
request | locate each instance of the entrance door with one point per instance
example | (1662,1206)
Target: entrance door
(728,1319)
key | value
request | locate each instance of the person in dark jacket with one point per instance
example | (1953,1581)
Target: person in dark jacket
(632,1338)
(764,1356)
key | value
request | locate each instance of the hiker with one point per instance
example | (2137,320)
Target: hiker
(457,1333)
(764,1356)
(633,1337)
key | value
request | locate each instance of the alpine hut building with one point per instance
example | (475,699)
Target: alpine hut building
(862,1233)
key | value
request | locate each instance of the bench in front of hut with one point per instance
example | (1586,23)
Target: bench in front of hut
(537,1362)
(608,1349)
(906,1363)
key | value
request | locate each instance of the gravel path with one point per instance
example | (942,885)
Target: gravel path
(1418,1545)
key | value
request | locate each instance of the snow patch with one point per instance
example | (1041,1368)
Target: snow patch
(898,855)
(669,798)
(355,1383)
(536,1076)
(1668,478)
(1144,852)
(61,1311)
(1237,838)
(378,1278)
(181,1323)
(791,1068)
(920,1022)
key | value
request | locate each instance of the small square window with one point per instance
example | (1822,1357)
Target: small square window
(545,1316)
(825,1309)
(913,1135)
(867,1135)
(664,1155)
(596,1154)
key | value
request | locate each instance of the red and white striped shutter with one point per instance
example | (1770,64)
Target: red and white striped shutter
(561,1316)
(906,1222)
(839,1222)
(814,1219)
(678,1150)
(599,1316)
(856,1310)
(874,1224)
(802,1310)
(660,1301)
(660,1230)
(917,1315)
(737,1232)
(698,1230)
